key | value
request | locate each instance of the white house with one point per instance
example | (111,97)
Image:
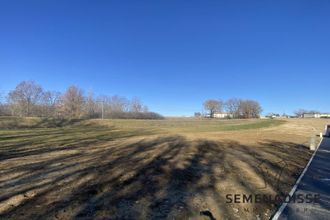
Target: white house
(316,115)
(222,115)
(311,115)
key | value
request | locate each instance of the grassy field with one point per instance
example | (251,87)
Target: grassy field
(198,125)
(147,169)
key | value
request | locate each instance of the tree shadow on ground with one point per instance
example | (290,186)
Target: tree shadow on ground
(103,177)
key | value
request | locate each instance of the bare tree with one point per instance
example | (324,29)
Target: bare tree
(91,106)
(300,112)
(118,104)
(114,106)
(233,107)
(49,103)
(24,98)
(212,106)
(250,109)
(29,99)
(256,108)
(137,106)
(73,102)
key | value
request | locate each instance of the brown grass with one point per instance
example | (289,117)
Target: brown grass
(87,171)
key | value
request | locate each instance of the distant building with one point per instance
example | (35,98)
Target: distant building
(272,115)
(310,115)
(316,115)
(222,115)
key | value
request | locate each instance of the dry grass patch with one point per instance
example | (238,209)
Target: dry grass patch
(131,171)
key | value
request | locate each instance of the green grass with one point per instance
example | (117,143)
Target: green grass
(256,125)
(48,138)
(193,125)
(23,133)
(158,126)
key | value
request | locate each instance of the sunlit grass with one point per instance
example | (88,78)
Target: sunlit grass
(193,125)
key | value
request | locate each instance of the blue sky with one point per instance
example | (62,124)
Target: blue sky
(172,54)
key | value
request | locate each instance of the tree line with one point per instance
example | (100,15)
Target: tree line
(300,112)
(236,108)
(29,99)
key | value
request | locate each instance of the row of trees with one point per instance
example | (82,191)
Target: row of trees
(300,112)
(236,108)
(30,99)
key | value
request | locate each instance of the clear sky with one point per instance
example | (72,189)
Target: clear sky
(172,54)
